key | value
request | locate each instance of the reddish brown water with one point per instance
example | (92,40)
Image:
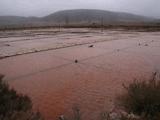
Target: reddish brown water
(56,83)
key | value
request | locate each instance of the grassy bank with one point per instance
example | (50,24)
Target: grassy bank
(14,106)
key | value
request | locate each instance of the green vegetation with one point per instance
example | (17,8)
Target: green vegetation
(143,98)
(15,106)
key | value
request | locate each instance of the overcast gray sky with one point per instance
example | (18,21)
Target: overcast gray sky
(45,7)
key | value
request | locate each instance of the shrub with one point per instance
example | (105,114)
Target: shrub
(143,98)
(15,106)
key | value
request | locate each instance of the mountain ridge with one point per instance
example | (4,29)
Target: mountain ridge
(78,17)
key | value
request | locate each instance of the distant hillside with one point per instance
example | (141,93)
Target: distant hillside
(16,20)
(94,16)
(76,17)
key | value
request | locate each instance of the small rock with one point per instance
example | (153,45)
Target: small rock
(36,51)
(115,116)
(133,116)
(61,117)
(76,61)
(7,45)
(90,46)
(146,45)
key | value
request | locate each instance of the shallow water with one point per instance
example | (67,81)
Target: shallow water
(56,83)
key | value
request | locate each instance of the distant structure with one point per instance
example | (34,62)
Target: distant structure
(102,24)
(66,20)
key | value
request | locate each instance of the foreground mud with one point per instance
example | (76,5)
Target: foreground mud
(41,64)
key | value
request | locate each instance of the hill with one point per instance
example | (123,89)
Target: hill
(77,17)
(86,16)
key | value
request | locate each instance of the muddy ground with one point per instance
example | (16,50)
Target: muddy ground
(63,68)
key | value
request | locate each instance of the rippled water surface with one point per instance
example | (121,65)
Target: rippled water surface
(41,64)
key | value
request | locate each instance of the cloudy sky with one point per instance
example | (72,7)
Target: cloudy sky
(45,7)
